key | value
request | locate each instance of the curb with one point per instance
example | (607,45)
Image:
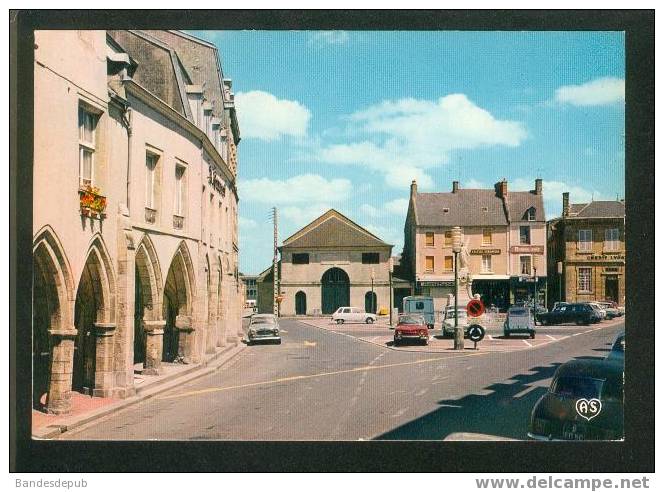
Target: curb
(142,394)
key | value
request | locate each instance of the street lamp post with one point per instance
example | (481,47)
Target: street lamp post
(456,248)
(391,269)
(373,307)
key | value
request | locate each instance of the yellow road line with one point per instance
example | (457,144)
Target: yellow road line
(320,374)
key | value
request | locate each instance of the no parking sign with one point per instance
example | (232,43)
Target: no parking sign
(475,308)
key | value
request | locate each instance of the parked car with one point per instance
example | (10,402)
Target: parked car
(422,305)
(555,415)
(263,328)
(411,327)
(579,313)
(519,320)
(600,310)
(618,348)
(353,315)
(448,320)
(611,310)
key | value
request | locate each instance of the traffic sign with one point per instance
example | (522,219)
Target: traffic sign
(475,308)
(476,333)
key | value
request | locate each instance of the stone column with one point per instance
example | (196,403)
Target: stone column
(211,329)
(104,358)
(186,348)
(62,365)
(154,343)
(221,337)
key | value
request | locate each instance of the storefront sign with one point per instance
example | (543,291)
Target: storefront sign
(485,251)
(607,257)
(527,249)
(436,283)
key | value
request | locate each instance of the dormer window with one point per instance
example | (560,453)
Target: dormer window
(530,214)
(446,210)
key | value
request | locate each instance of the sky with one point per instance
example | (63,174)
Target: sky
(347,119)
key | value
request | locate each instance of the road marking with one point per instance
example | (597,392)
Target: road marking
(526,391)
(310,376)
(550,337)
(309,344)
(284,331)
(399,413)
(527,343)
(490,337)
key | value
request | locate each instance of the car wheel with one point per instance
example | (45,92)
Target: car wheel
(340,322)
(506,334)
(425,342)
(369,320)
(279,342)
(532,334)
(395,343)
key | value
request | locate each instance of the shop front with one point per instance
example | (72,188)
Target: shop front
(527,289)
(493,292)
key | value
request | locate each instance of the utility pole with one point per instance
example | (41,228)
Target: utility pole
(275,264)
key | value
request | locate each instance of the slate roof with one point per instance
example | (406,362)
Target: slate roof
(333,230)
(599,209)
(519,202)
(159,68)
(467,207)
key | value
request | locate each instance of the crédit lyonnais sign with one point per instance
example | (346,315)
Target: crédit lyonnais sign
(485,251)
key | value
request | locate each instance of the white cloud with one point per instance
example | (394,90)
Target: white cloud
(265,117)
(474,184)
(329,37)
(397,206)
(246,223)
(298,217)
(602,91)
(404,138)
(304,188)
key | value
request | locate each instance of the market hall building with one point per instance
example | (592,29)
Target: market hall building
(587,252)
(329,263)
(504,233)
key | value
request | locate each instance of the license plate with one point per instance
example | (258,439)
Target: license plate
(574,432)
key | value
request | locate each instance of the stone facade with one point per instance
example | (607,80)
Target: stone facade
(587,252)
(135,211)
(492,223)
(327,264)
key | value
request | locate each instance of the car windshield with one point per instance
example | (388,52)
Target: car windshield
(450,313)
(517,312)
(263,321)
(578,387)
(411,320)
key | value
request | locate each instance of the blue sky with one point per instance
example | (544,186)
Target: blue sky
(346,119)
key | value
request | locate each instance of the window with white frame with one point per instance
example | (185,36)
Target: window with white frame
(525,262)
(486,263)
(585,240)
(87,125)
(530,214)
(150,178)
(180,171)
(611,239)
(585,279)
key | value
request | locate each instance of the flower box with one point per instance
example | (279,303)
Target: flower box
(93,204)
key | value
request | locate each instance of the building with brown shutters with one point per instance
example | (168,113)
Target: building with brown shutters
(503,232)
(586,248)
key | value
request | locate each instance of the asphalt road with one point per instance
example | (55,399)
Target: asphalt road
(321,385)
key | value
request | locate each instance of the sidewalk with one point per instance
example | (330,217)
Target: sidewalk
(86,408)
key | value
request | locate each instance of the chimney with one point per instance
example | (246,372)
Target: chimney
(455,186)
(538,186)
(501,188)
(566,204)
(413,189)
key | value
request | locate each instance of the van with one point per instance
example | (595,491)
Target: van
(422,305)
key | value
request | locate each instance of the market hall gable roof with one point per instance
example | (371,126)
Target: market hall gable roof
(333,230)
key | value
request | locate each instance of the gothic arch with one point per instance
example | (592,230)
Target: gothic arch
(149,272)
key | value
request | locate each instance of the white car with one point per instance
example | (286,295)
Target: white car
(448,320)
(353,315)
(599,309)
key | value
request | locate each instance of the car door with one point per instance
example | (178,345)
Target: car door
(346,315)
(357,314)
